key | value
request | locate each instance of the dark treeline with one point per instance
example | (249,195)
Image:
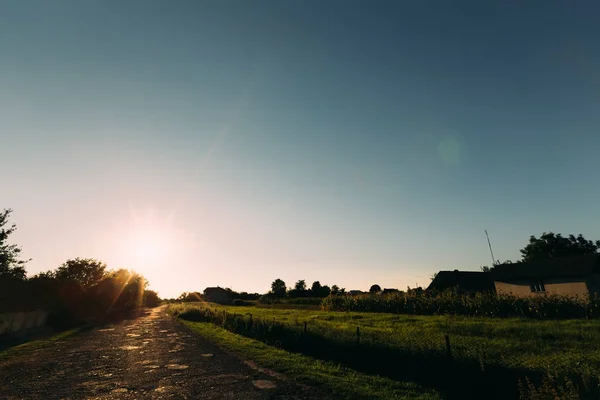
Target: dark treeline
(80,290)
(187,297)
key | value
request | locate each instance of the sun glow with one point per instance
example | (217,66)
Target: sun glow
(149,243)
(147,247)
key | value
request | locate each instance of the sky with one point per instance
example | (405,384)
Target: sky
(232,143)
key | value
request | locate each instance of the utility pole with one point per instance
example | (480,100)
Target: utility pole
(490,245)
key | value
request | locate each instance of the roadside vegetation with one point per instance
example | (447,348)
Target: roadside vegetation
(36,344)
(461,357)
(329,376)
(549,307)
(79,291)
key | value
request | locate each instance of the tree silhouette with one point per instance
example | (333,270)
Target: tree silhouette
(316,288)
(375,289)
(10,264)
(335,289)
(85,271)
(300,285)
(551,245)
(151,298)
(278,288)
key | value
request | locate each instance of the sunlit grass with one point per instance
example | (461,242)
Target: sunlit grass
(37,344)
(345,383)
(541,345)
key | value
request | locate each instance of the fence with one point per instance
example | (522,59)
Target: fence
(457,365)
(17,324)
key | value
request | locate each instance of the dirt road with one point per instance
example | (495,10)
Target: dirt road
(151,357)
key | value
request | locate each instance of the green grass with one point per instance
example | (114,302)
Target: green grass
(37,344)
(344,382)
(555,347)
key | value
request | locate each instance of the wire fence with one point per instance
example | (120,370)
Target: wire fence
(458,365)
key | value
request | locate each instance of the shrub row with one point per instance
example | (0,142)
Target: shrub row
(454,377)
(481,304)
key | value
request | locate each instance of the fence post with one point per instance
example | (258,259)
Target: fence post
(305,327)
(448,348)
(483,361)
(357,335)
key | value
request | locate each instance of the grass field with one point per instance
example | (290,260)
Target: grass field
(521,347)
(344,382)
(36,344)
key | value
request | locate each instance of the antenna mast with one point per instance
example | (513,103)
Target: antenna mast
(490,245)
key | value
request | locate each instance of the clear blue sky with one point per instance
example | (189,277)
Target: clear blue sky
(234,142)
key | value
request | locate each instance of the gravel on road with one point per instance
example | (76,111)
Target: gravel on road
(150,357)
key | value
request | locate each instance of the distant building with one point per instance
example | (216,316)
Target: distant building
(576,276)
(463,281)
(217,295)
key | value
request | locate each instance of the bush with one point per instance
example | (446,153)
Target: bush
(309,301)
(268,299)
(240,302)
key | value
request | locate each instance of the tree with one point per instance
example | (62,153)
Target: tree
(85,271)
(123,288)
(300,286)
(325,291)
(47,275)
(10,264)
(190,297)
(151,298)
(316,288)
(375,289)
(551,245)
(335,289)
(278,288)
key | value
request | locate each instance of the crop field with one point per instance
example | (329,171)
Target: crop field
(434,351)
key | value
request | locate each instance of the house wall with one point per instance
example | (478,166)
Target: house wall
(21,323)
(218,297)
(573,287)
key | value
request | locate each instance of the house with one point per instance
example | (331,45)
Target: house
(462,281)
(576,276)
(217,295)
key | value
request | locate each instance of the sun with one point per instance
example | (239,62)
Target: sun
(147,247)
(150,241)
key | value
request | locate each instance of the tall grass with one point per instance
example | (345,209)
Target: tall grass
(486,354)
(478,305)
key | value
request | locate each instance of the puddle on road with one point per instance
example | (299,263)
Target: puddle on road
(207,355)
(106,330)
(264,384)
(133,335)
(120,390)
